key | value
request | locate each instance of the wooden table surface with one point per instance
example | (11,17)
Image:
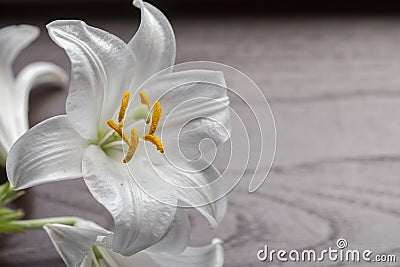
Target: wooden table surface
(334,88)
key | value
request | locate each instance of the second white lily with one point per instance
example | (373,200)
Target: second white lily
(15,91)
(79,246)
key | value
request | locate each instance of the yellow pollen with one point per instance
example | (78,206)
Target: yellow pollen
(144,99)
(124,106)
(155,118)
(134,142)
(155,141)
(117,128)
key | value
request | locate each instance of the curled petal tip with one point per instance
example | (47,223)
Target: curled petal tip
(62,76)
(55,73)
(35,31)
(216,241)
(136,3)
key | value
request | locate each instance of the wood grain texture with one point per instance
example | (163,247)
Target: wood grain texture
(334,88)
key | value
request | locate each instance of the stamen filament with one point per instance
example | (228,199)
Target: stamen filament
(144,99)
(117,128)
(133,142)
(105,137)
(112,144)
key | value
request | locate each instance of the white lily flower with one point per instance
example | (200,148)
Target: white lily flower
(15,90)
(79,246)
(140,189)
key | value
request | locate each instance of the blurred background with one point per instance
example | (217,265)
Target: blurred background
(115,8)
(331,73)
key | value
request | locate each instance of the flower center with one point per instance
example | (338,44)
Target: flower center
(133,141)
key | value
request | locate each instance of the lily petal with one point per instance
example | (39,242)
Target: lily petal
(7,133)
(195,107)
(74,243)
(194,112)
(8,129)
(50,151)
(191,99)
(30,76)
(140,219)
(164,81)
(102,67)
(194,99)
(112,259)
(178,236)
(3,154)
(199,187)
(153,44)
(12,40)
(207,256)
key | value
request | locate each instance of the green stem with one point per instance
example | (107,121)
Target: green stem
(39,223)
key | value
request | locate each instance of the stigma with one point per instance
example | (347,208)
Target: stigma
(133,141)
